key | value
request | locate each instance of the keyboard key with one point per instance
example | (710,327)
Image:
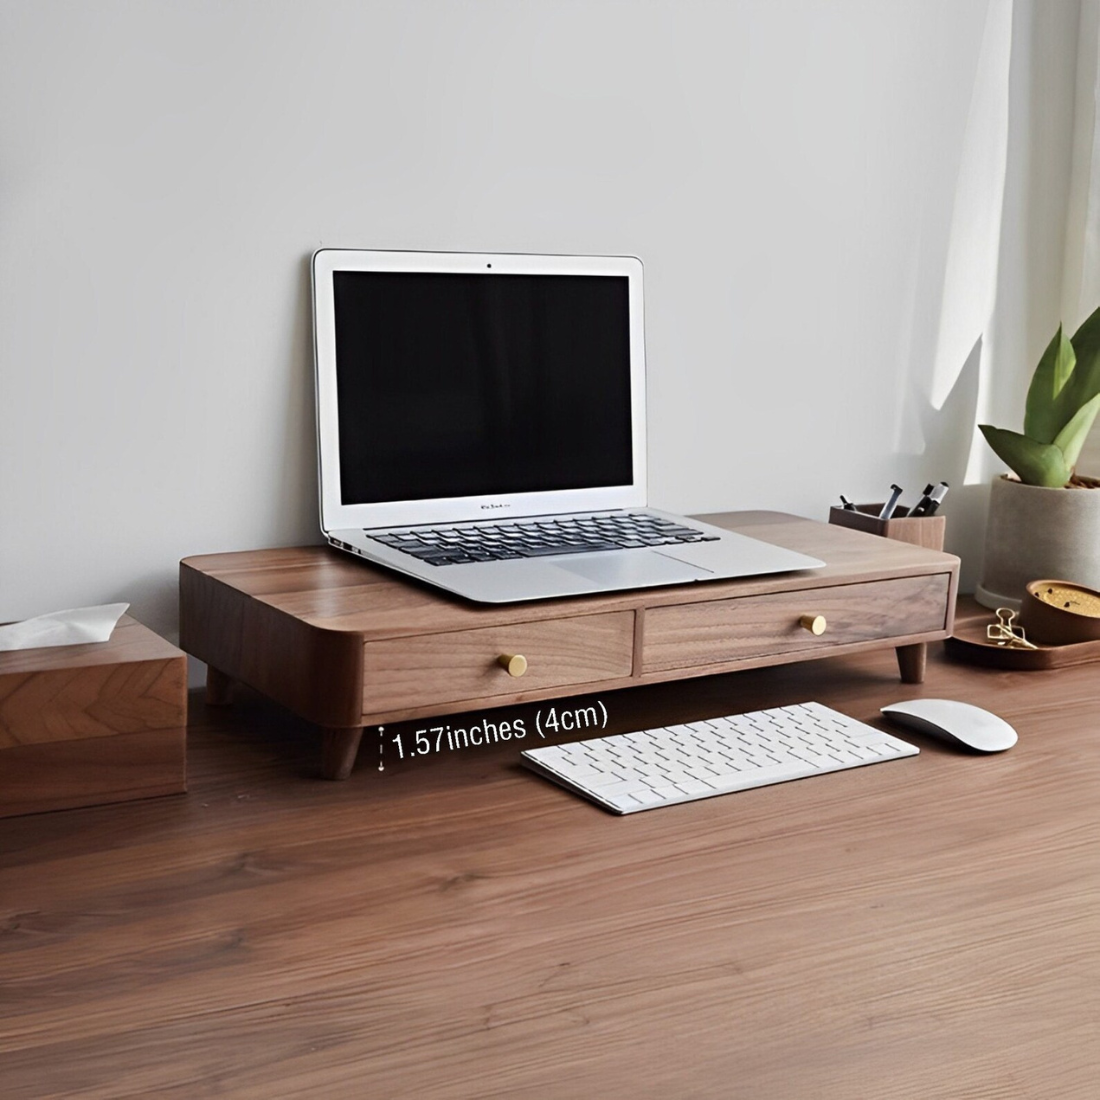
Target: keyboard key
(546,551)
(542,537)
(695,786)
(646,797)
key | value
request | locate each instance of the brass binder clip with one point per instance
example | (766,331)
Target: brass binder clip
(1005,633)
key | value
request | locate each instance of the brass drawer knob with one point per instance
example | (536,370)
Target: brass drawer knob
(815,624)
(513,664)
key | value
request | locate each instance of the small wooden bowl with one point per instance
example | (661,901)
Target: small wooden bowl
(1060,613)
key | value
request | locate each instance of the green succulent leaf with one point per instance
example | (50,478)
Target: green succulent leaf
(1085,383)
(1063,402)
(1072,437)
(1046,416)
(1035,463)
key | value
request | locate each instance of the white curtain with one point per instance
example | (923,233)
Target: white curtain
(1081,280)
(1024,247)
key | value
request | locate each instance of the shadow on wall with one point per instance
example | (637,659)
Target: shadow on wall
(294,493)
(947,434)
(153,600)
(975,309)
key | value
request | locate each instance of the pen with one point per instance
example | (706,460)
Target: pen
(930,501)
(892,503)
(925,500)
(848,505)
(937,498)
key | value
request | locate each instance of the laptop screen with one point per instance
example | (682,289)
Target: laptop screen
(455,385)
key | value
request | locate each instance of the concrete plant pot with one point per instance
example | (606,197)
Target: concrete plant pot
(1035,533)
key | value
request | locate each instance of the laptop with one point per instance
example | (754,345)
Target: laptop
(481,426)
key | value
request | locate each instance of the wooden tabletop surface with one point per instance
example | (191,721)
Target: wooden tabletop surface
(457,927)
(334,590)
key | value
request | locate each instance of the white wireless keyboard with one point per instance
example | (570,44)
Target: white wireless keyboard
(660,767)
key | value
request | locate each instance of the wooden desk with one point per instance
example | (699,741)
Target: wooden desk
(926,929)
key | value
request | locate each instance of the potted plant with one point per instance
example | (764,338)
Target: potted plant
(1045,521)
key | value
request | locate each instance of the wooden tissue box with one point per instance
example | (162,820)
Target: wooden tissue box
(83,725)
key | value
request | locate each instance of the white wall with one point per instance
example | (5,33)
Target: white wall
(791,173)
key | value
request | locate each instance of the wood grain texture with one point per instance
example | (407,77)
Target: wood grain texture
(456,928)
(453,667)
(92,772)
(926,531)
(912,663)
(330,590)
(338,752)
(321,632)
(723,631)
(99,701)
(92,723)
(134,682)
(315,671)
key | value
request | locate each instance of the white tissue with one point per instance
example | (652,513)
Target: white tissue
(74,627)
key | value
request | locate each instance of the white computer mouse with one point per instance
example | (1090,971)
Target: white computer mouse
(954,722)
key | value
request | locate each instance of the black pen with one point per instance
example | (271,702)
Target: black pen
(925,500)
(930,501)
(848,505)
(937,498)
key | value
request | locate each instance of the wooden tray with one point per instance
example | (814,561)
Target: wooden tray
(970,644)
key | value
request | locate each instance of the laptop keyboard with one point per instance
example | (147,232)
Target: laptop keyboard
(536,538)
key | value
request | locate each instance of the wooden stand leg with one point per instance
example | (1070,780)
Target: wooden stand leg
(219,688)
(912,660)
(338,749)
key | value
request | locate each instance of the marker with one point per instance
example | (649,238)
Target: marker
(892,503)
(848,505)
(930,501)
(925,500)
(937,498)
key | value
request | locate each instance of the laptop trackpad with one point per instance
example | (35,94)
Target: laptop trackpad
(633,570)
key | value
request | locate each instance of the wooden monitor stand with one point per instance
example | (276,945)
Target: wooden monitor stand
(345,645)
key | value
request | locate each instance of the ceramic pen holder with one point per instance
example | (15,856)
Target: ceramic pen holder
(926,531)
